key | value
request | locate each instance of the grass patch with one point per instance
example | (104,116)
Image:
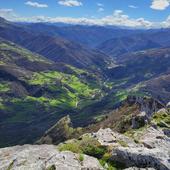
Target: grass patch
(135,134)
(2,63)
(52,167)
(2,106)
(109,164)
(77,70)
(73,91)
(86,145)
(99,118)
(22,53)
(25,109)
(122,143)
(121,95)
(90,146)
(10,166)
(28,108)
(4,87)
(162,119)
(73,147)
(80,88)
(81,157)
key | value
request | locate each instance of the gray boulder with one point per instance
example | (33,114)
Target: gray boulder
(142,157)
(154,151)
(135,168)
(151,151)
(44,157)
(109,138)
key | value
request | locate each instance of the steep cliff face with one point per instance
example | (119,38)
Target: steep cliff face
(147,106)
(60,132)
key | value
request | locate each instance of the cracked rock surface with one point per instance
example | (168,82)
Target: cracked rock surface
(152,151)
(44,157)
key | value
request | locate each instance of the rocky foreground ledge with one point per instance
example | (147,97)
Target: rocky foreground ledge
(152,152)
(44,157)
(146,147)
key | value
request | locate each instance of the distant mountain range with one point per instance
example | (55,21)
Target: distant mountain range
(90,36)
(53,47)
(138,42)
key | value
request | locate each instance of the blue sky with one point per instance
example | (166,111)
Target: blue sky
(147,12)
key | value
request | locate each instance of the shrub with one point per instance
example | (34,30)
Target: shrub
(52,167)
(73,147)
(123,143)
(95,151)
(81,157)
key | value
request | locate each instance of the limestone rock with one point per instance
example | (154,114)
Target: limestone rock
(135,168)
(147,105)
(168,105)
(142,157)
(109,138)
(139,120)
(153,150)
(44,157)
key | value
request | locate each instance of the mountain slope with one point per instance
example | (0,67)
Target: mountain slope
(90,36)
(54,48)
(35,92)
(61,50)
(142,65)
(118,46)
(158,87)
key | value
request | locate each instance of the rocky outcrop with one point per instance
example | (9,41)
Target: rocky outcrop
(109,138)
(60,132)
(135,168)
(151,150)
(137,149)
(142,157)
(168,105)
(44,157)
(148,106)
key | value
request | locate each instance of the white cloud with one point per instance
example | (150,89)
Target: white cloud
(36,4)
(160,4)
(100,5)
(166,23)
(8,14)
(70,3)
(100,9)
(132,6)
(118,18)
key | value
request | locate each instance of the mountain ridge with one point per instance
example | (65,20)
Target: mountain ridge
(60,47)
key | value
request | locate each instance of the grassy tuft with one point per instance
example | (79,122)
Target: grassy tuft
(4,87)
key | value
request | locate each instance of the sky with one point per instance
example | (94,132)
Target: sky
(130,13)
